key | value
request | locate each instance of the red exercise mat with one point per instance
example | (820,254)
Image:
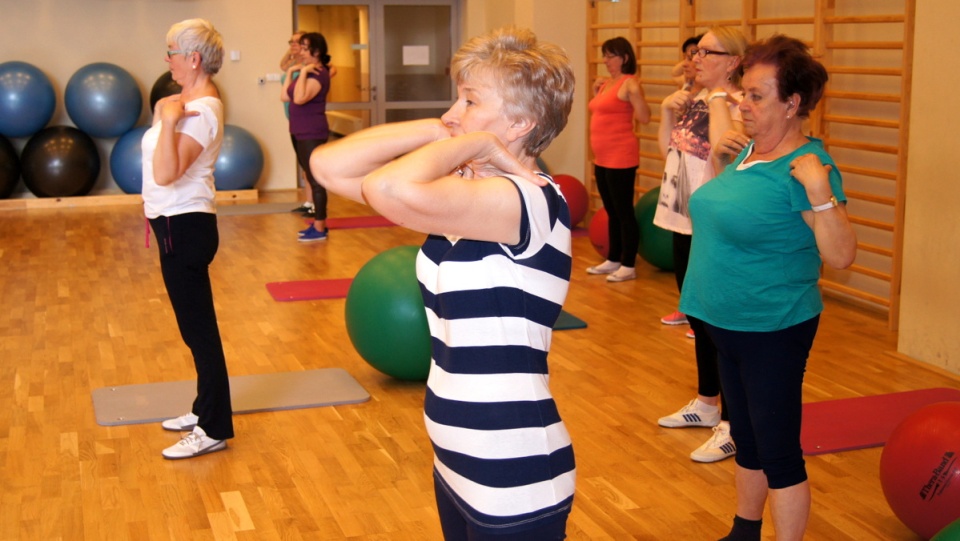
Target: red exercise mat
(306,290)
(354,222)
(858,423)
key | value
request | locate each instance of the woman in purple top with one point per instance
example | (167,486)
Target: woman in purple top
(307,95)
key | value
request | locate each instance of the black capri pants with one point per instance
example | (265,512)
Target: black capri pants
(762,378)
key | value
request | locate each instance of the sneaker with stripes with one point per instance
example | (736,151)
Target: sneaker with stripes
(691,415)
(718,447)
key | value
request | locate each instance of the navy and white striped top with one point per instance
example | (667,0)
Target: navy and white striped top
(501,450)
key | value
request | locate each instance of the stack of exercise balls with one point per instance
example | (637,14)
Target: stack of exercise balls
(103,101)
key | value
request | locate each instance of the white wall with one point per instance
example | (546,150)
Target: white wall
(930,295)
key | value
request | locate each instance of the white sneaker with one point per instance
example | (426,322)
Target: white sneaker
(622,275)
(606,267)
(718,447)
(195,443)
(690,415)
(181,424)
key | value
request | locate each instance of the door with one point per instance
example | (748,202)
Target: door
(392,58)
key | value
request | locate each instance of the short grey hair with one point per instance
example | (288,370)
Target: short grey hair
(199,35)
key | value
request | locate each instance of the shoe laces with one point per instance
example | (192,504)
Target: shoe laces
(191,439)
(719,434)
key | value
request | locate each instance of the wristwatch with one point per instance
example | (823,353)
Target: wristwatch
(826,206)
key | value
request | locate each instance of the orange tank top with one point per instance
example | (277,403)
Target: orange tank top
(612,140)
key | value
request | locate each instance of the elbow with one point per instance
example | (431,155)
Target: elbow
(162,181)
(843,257)
(841,261)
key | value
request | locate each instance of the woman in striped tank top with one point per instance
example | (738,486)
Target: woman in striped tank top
(494,272)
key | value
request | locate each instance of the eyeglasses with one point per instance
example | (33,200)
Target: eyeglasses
(176,51)
(702,53)
(610,55)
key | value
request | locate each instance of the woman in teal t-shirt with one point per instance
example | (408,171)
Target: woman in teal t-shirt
(762,229)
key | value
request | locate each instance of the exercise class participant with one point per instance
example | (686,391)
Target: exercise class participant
(179,154)
(494,272)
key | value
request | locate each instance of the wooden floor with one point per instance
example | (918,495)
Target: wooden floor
(84,307)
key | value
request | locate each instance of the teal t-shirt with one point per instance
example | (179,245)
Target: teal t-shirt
(754,262)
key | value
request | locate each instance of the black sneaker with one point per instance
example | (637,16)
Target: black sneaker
(304,208)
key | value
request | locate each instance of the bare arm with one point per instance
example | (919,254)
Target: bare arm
(634,94)
(340,166)
(670,110)
(175,151)
(288,82)
(721,122)
(419,191)
(306,88)
(836,238)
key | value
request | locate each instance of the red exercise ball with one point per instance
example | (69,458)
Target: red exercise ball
(576,195)
(920,468)
(599,234)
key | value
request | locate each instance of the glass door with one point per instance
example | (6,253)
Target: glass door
(391,57)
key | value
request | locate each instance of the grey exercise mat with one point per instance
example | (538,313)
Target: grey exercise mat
(154,402)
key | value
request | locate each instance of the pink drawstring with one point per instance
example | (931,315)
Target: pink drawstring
(167,242)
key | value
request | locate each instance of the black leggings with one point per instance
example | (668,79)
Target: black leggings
(708,372)
(616,192)
(188,243)
(304,148)
(763,381)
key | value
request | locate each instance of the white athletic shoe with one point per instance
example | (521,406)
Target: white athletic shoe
(690,415)
(181,424)
(195,443)
(718,447)
(607,267)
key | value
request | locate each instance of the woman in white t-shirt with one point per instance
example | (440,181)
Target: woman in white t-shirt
(179,154)
(690,124)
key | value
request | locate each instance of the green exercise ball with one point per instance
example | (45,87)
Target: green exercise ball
(385,317)
(656,244)
(950,533)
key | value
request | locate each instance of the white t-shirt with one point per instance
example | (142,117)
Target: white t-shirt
(687,165)
(194,191)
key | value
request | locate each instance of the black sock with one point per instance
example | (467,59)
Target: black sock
(744,530)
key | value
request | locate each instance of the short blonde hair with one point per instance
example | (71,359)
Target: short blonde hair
(198,35)
(733,42)
(535,79)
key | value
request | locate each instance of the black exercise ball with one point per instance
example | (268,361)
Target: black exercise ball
(163,87)
(60,161)
(9,168)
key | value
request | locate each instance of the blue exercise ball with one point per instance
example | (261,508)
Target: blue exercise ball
(9,168)
(126,161)
(103,100)
(240,162)
(27,100)
(60,161)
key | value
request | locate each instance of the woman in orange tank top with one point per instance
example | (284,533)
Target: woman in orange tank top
(616,104)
